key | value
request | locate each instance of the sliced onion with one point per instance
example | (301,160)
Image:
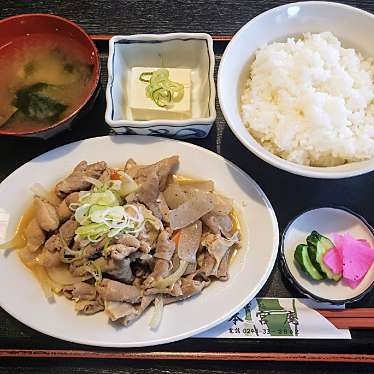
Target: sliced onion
(18,241)
(105,251)
(171,279)
(149,217)
(107,198)
(138,215)
(116,185)
(113,232)
(81,214)
(92,240)
(30,260)
(115,213)
(70,252)
(94,181)
(83,194)
(61,275)
(116,224)
(38,190)
(128,185)
(98,216)
(157,313)
(136,229)
(75,255)
(94,270)
(74,206)
(43,278)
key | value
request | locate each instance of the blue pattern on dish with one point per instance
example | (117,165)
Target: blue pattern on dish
(199,131)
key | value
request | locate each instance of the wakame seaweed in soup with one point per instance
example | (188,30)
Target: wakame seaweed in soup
(43,78)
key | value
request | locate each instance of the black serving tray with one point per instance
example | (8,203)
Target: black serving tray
(289,194)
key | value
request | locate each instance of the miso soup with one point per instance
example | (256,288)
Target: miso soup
(43,79)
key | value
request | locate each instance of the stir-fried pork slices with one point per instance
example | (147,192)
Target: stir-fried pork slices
(117,310)
(217,247)
(165,249)
(149,191)
(218,223)
(117,264)
(125,312)
(190,211)
(92,249)
(192,185)
(46,215)
(161,241)
(189,242)
(80,291)
(189,288)
(111,290)
(128,240)
(54,243)
(77,181)
(106,175)
(152,180)
(35,236)
(174,195)
(162,169)
(67,231)
(89,306)
(175,290)
(49,259)
(64,211)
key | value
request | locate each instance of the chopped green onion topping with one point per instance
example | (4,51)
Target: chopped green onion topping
(161,89)
(94,270)
(101,215)
(143,75)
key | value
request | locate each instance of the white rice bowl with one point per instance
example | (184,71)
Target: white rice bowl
(311,101)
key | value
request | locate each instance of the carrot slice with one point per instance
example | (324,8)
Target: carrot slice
(176,237)
(115,176)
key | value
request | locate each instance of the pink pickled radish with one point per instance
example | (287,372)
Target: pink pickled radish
(357,257)
(352,283)
(363,241)
(334,260)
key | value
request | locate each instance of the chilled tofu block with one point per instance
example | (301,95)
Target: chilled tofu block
(144,108)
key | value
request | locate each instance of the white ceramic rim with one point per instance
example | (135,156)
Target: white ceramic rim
(172,123)
(196,331)
(303,170)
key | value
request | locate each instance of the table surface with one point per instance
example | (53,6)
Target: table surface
(289,194)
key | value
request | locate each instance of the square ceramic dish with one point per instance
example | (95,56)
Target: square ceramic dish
(178,50)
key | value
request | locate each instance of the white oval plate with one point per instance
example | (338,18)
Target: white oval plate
(326,220)
(24,300)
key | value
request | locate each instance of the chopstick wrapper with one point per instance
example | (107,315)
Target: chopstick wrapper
(279,318)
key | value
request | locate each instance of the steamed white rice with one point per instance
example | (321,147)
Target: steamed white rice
(310,101)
